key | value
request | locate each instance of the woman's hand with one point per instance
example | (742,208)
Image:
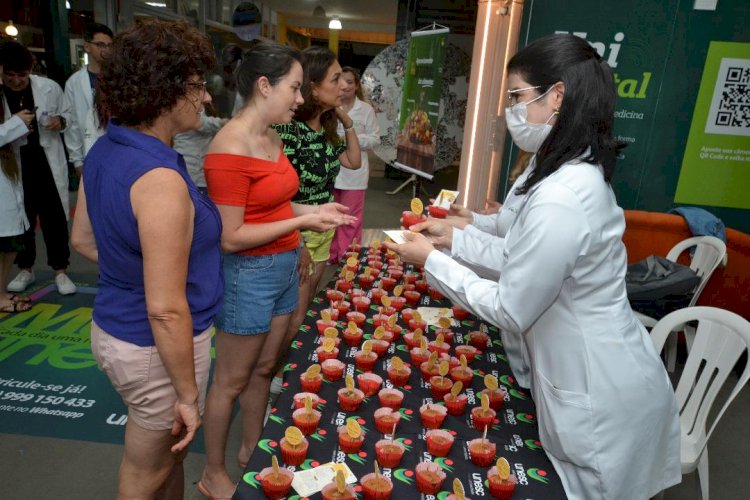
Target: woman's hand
(491,207)
(437,231)
(305,266)
(416,249)
(187,420)
(344,117)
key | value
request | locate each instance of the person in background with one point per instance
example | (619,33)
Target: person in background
(317,152)
(608,419)
(192,145)
(253,183)
(13,221)
(156,238)
(44,169)
(351,185)
(80,91)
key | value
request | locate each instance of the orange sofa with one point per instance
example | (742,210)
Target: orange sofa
(655,233)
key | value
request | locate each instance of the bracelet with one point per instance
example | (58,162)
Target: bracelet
(349,129)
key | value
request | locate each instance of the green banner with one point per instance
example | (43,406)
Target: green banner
(716,166)
(420,103)
(50,384)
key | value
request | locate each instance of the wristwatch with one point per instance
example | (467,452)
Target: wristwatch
(63,123)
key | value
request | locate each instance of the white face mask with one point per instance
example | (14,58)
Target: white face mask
(527,136)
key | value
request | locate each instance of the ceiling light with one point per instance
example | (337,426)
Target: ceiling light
(335,24)
(11,30)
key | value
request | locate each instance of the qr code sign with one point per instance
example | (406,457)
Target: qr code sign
(730,106)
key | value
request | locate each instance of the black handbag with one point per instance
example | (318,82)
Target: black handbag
(657,286)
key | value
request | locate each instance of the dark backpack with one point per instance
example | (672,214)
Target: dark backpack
(657,286)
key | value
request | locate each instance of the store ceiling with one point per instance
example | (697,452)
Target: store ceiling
(359,15)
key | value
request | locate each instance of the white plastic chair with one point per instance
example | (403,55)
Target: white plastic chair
(709,253)
(720,339)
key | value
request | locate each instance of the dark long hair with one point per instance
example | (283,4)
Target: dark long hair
(587,112)
(272,60)
(315,64)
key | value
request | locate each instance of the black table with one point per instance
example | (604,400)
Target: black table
(515,431)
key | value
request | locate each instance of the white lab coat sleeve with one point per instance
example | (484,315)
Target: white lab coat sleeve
(478,250)
(11,129)
(370,136)
(551,235)
(485,223)
(74,131)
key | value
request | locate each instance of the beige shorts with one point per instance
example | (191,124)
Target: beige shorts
(139,376)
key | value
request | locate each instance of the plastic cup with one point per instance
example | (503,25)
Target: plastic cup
(478,339)
(311,384)
(399,378)
(391,398)
(456,405)
(496,396)
(307,422)
(323,355)
(480,419)
(331,492)
(389,453)
(349,444)
(437,212)
(439,442)
(293,455)
(353,338)
(376,487)
(357,317)
(467,350)
(500,489)
(482,452)
(333,369)
(299,400)
(439,387)
(409,218)
(369,383)
(465,375)
(385,419)
(432,415)
(361,304)
(430,478)
(276,485)
(412,297)
(365,361)
(350,399)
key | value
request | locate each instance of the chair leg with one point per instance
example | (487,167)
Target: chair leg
(671,351)
(703,474)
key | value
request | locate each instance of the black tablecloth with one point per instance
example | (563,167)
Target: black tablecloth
(515,431)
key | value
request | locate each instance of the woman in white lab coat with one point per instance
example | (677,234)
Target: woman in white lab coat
(607,415)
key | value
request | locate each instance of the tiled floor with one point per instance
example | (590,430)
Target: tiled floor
(39,468)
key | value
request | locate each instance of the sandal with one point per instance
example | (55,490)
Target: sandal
(15,307)
(14,297)
(204,491)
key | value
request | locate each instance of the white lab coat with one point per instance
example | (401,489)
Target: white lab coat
(48,96)
(368,134)
(13,220)
(607,415)
(477,247)
(80,99)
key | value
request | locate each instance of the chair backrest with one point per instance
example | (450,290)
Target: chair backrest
(720,339)
(709,253)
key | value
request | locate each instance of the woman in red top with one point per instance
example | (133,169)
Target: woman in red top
(252,183)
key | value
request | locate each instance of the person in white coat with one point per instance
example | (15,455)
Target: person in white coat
(608,419)
(13,221)
(44,169)
(80,89)
(351,185)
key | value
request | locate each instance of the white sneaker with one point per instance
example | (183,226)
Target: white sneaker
(64,285)
(22,281)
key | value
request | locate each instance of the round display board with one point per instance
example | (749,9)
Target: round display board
(382,82)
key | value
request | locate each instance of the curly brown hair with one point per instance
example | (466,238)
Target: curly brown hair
(150,66)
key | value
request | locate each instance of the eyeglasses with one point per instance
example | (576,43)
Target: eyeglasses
(102,45)
(201,86)
(513,97)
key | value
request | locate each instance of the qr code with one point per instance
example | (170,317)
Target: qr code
(730,106)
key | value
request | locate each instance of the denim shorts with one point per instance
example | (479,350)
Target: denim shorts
(257,288)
